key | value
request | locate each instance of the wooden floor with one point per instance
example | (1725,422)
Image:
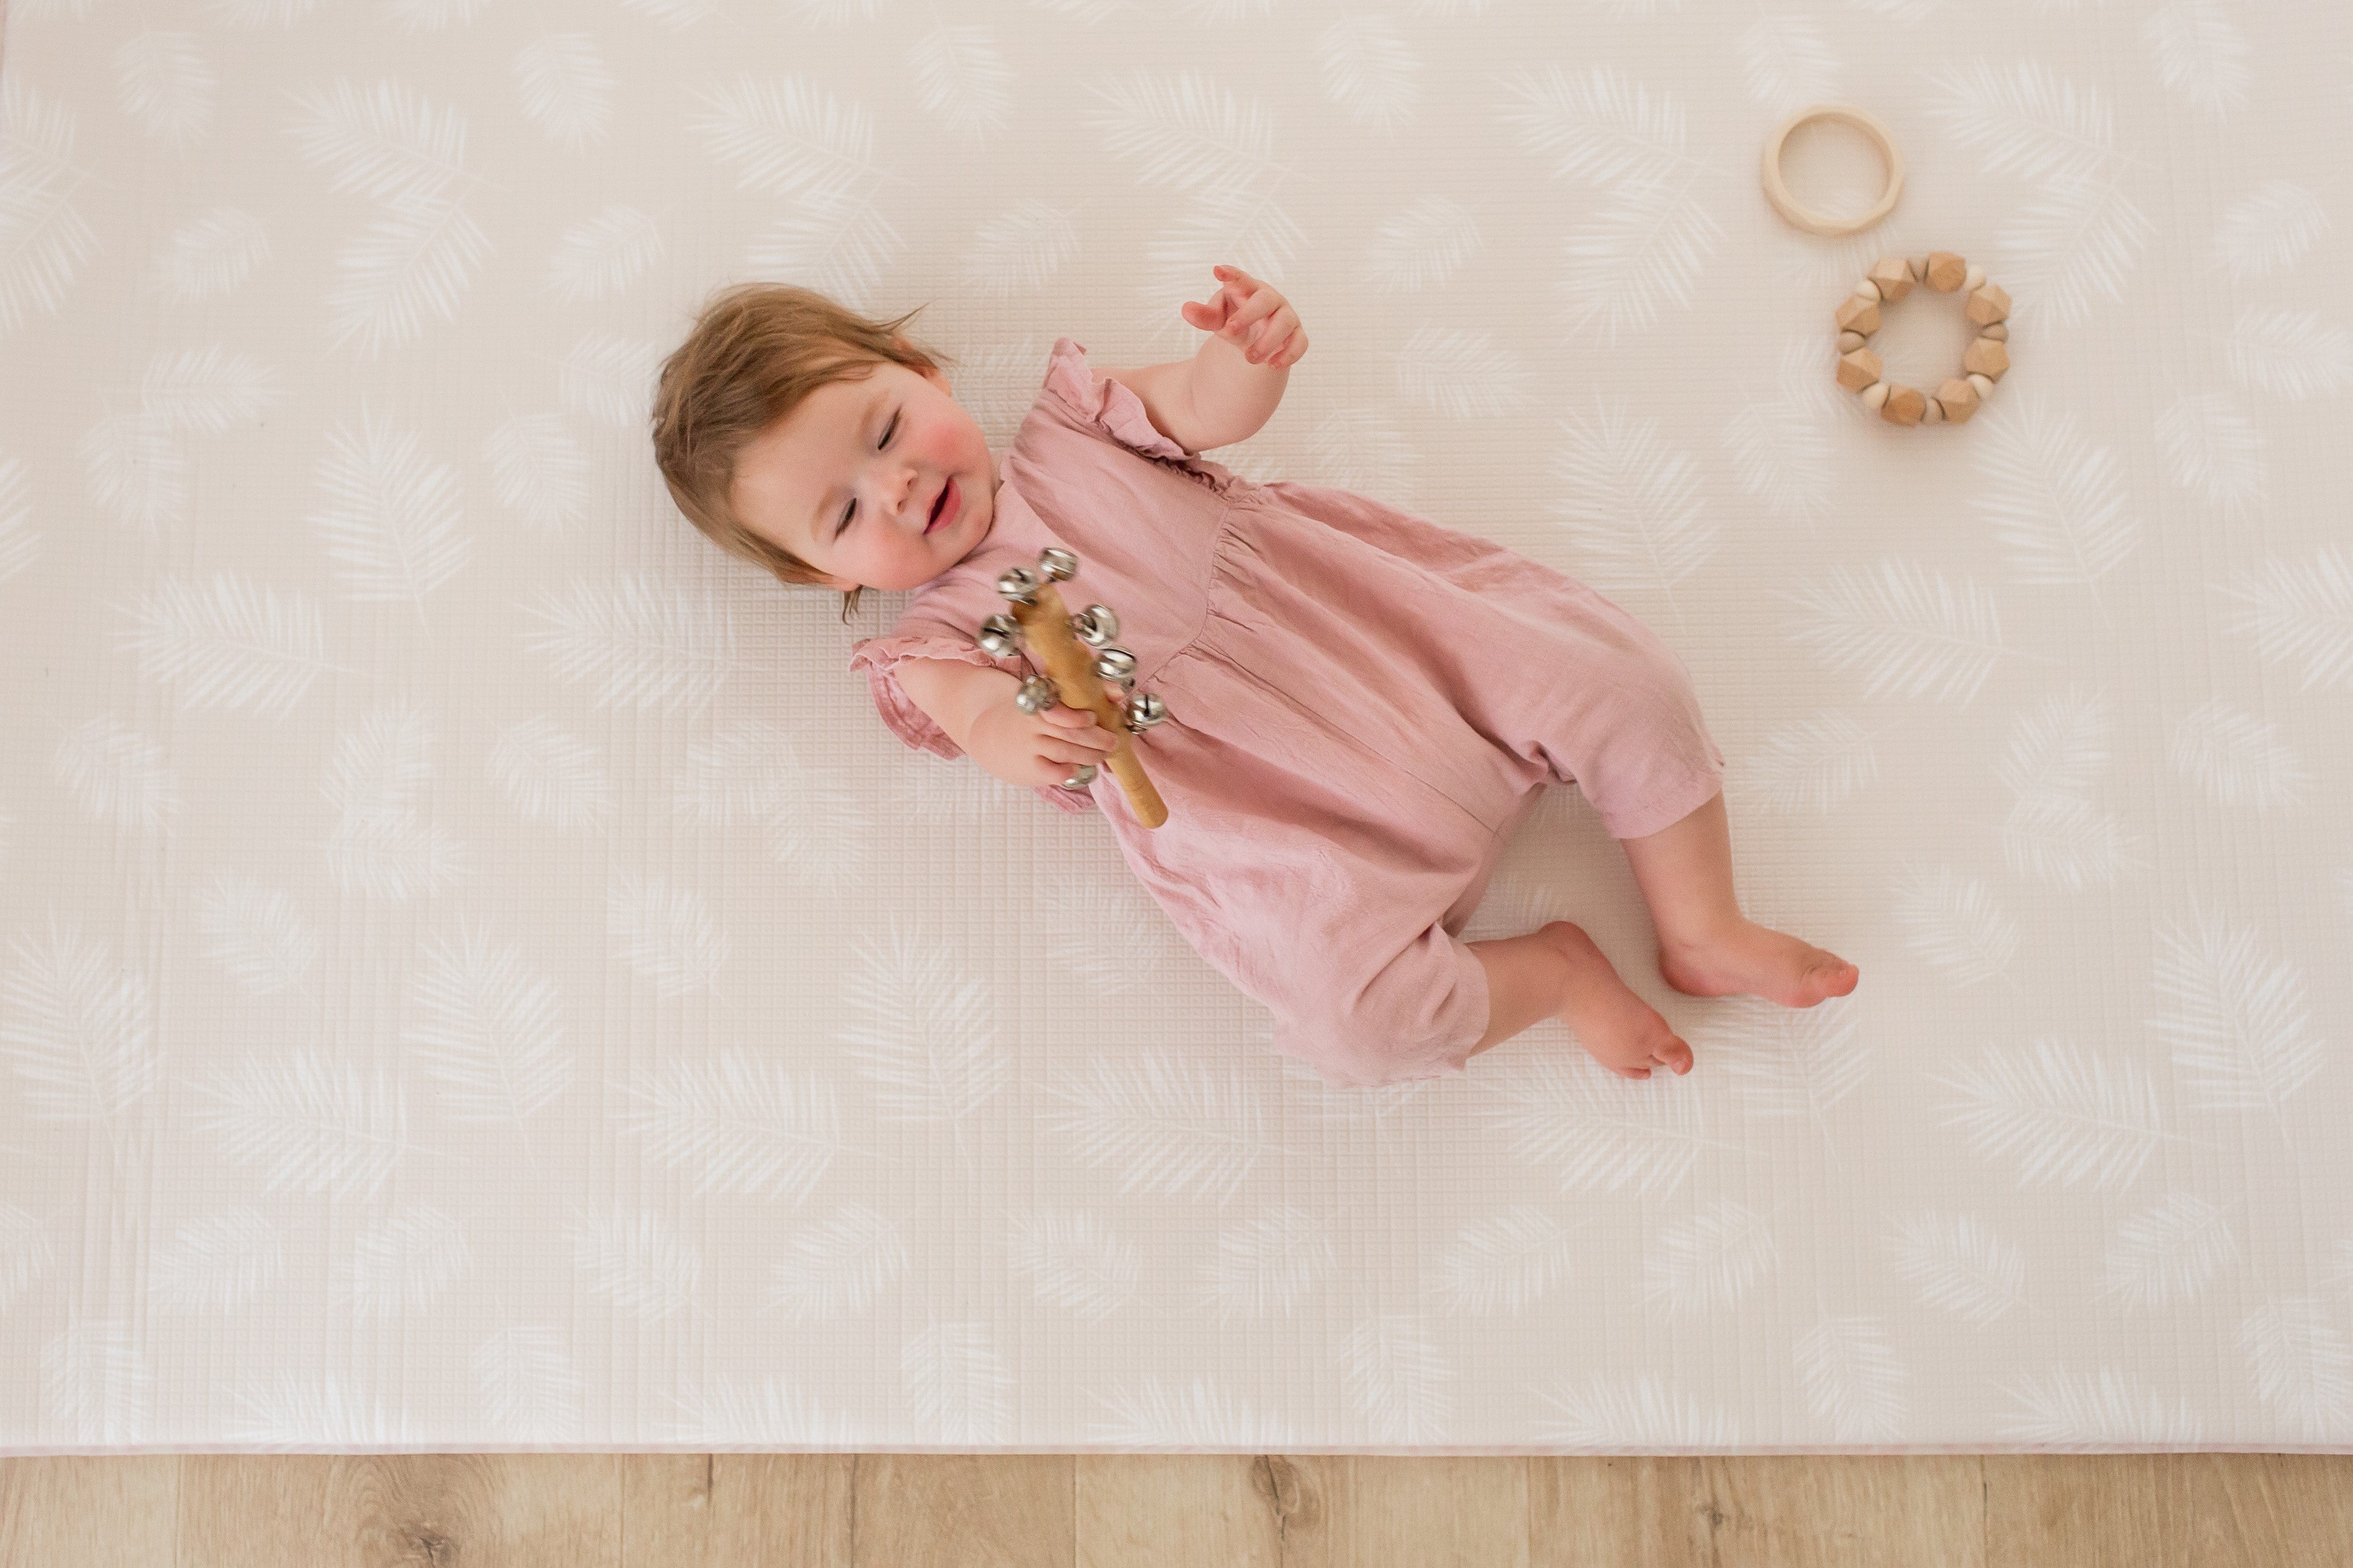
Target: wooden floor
(898,1510)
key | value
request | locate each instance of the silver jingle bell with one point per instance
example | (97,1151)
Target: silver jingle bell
(999,635)
(1083,777)
(1115,663)
(1057,565)
(1037,694)
(1017,585)
(1095,624)
(1145,711)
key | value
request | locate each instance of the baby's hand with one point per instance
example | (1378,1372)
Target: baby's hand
(1035,749)
(1253,316)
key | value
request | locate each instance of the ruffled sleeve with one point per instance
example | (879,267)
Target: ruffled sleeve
(1112,409)
(880,658)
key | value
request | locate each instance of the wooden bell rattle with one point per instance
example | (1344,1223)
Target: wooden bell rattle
(1041,623)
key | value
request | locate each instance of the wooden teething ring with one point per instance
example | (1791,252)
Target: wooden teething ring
(1813,222)
(1988,359)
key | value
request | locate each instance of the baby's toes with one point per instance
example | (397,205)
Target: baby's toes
(1676,1055)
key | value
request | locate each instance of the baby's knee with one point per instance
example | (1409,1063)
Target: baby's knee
(1416,1017)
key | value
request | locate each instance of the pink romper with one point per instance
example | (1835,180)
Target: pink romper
(1363,706)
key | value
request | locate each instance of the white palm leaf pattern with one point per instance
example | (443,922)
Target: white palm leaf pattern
(637,1260)
(2068,842)
(2170,1252)
(1709,1260)
(2206,445)
(389,144)
(788,137)
(281,1415)
(26,1254)
(1807,766)
(208,389)
(1782,458)
(841,244)
(2200,53)
(1906,625)
(2057,1114)
(257,934)
(1616,1414)
(2299,612)
(673,14)
(116,775)
(406,266)
(1957,1263)
(209,254)
(1397,1379)
(609,377)
(2268,230)
(2027,120)
(392,514)
(1074,1260)
(1024,247)
(386,844)
(2237,758)
(2236,1016)
(958,1389)
(2302,1368)
(407,1262)
(163,82)
(1640,253)
(1426,244)
(2057,503)
(491,1033)
(137,470)
(1195,1414)
(962,80)
(1266,1264)
(1786,62)
(312,1123)
(1505,1263)
(2059,747)
(741,1123)
(258,12)
(98,1386)
(1164,1129)
(1603,130)
(1363,449)
(538,471)
(2289,353)
(431,16)
(44,239)
(565,88)
(1852,1376)
(1952,923)
(2084,235)
(1630,501)
(836,1268)
(18,543)
(79,1029)
(666,933)
(228,642)
(925,1037)
(2067,1411)
(1596,1129)
(551,775)
(1795,1061)
(600,256)
(1184,130)
(218,1263)
(733,1409)
(1463,374)
(1368,69)
(528,1382)
(642,642)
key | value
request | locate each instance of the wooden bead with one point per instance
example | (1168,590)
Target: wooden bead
(1894,276)
(1988,359)
(1983,387)
(1858,370)
(1989,305)
(1945,271)
(1918,267)
(1905,405)
(1850,342)
(1859,315)
(1933,413)
(1999,333)
(1867,289)
(1975,279)
(1875,394)
(1959,400)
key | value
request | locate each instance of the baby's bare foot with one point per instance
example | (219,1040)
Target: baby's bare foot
(1623,1032)
(1760,962)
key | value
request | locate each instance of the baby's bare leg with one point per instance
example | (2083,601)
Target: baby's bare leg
(1558,972)
(1706,946)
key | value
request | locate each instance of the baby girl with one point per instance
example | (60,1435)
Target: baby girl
(1362,705)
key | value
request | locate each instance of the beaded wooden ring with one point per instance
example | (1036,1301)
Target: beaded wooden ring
(1807,219)
(1988,360)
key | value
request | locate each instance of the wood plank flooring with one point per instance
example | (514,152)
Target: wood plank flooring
(1030,1510)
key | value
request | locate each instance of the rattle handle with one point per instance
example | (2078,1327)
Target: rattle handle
(1046,628)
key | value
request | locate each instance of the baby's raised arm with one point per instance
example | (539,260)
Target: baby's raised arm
(976,707)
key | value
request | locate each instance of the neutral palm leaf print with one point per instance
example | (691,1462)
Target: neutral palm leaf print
(1952,923)
(2025,120)
(79,1030)
(388,143)
(1368,69)
(609,377)
(1958,1264)
(1025,247)
(1808,766)
(540,471)
(208,255)
(260,935)
(2299,612)
(787,136)
(392,514)
(2083,235)
(1852,1377)
(2170,1252)
(602,256)
(2068,1411)
(2269,229)
(313,1123)
(18,543)
(2303,1366)
(1602,129)
(2055,1113)
(228,642)
(2200,53)
(637,1260)
(566,88)
(1708,1261)
(1162,1128)
(740,1123)
(1906,625)
(281,1410)
(528,1383)
(1183,131)
(116,775)
(218,1263)
(551,775)
(1464,375)
(962,79)
(2208,445)
(1572,1118)
(666,933)
(2235,1015)
(958,1389)
(1631,503)
(837,1266)
(1395,1377)
(1507,1262)
(1266,1264)
(1425,244)
(1786,62)
(2293,354)
(2238,759)
(490,1032)
(1622,1414)
(26,1254)
(1074,1260)
(97,1387)
(44,239)
(163,82)
(642,643)
(138,472)
(2057,503)
(407,1262)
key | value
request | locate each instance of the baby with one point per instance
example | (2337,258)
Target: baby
(1361,703)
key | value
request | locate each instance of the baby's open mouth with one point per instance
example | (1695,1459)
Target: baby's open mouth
(939,506)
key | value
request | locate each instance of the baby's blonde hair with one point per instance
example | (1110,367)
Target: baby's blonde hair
(755,352)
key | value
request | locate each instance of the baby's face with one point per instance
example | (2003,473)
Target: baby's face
(876,454)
